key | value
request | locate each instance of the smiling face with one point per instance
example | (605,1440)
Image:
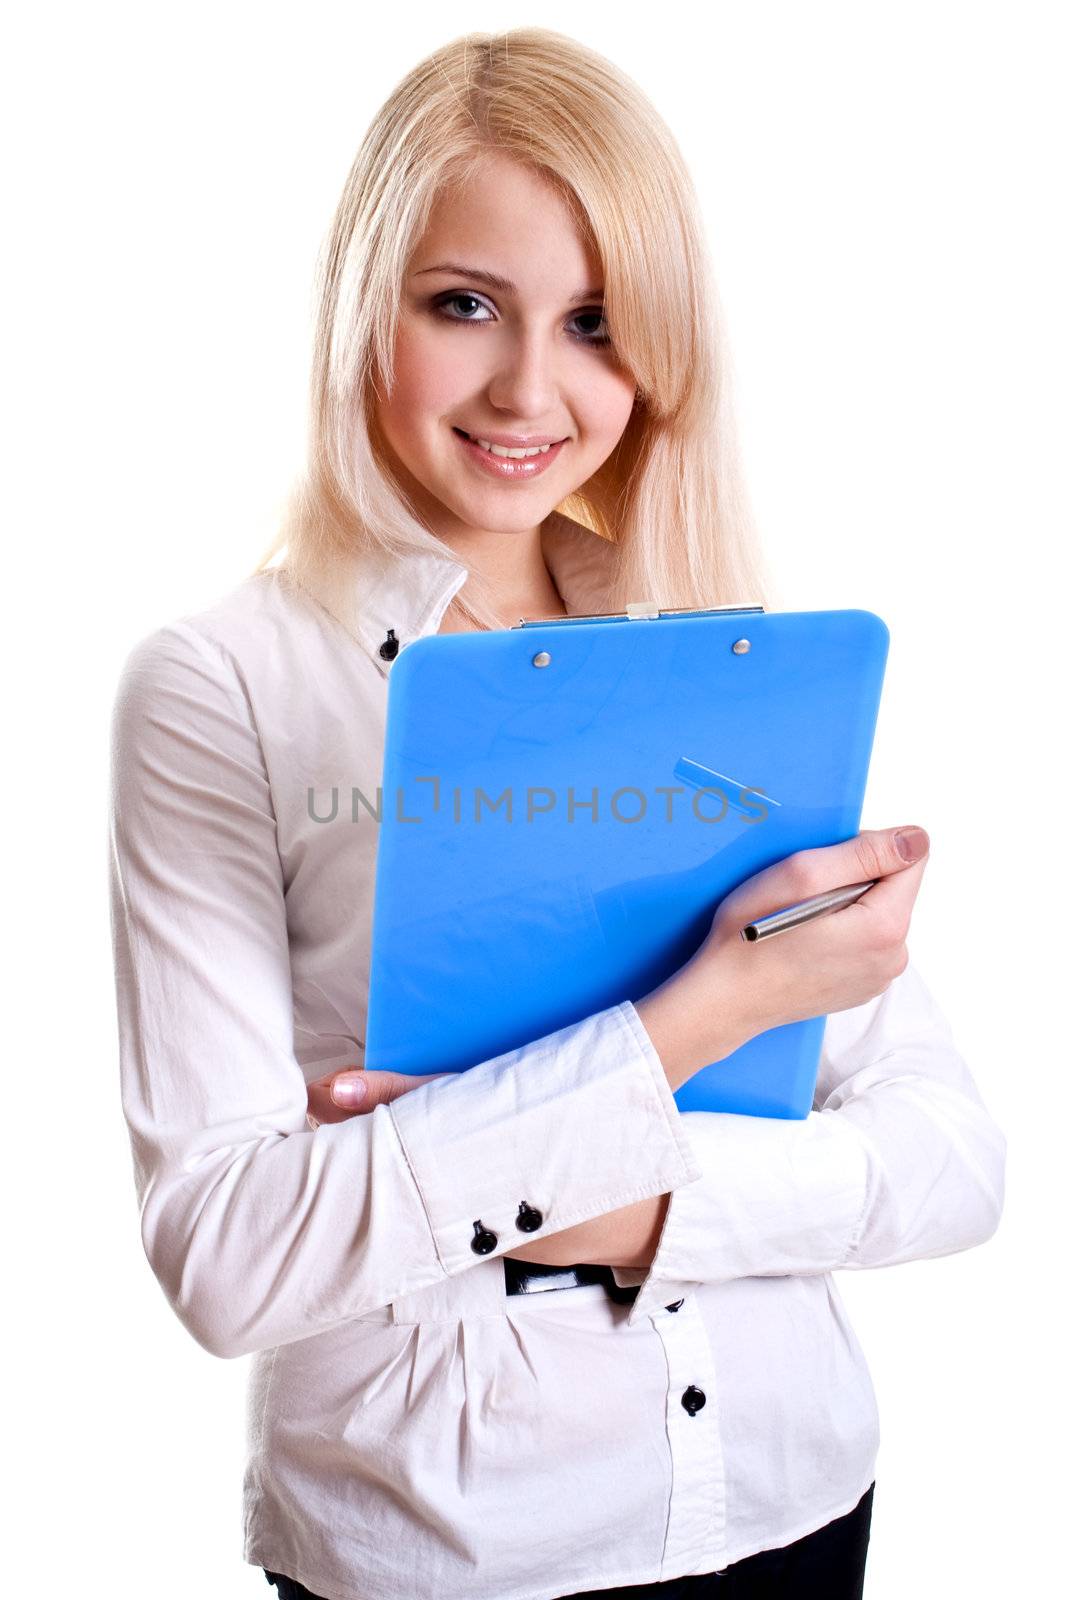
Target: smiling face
(501,337)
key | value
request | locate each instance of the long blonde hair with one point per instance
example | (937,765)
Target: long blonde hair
(671,496)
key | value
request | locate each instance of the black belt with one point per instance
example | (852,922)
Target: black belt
(533,1277)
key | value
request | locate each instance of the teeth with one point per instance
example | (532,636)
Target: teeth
(517,455)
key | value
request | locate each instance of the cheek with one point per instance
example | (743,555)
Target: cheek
(607,405)
(430,378)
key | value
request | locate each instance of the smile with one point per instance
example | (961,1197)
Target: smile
(502,461)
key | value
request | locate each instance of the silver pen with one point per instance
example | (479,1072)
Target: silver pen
(805,910)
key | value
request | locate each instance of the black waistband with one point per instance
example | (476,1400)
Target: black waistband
(533,1277)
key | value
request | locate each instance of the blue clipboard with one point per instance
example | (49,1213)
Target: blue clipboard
(564,804)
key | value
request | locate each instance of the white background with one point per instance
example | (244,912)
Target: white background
(882,188)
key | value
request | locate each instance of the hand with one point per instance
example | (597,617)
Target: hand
(328,1097)
(730,990)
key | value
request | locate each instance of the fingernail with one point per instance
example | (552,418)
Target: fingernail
(348,1091)
(912,843)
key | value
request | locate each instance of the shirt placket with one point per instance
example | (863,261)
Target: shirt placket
(696,1519)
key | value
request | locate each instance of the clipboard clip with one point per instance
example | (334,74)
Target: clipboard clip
(637,609)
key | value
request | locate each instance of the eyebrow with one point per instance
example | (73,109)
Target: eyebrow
(494,281)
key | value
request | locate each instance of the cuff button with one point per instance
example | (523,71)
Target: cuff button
(484,1239)
(529,1218)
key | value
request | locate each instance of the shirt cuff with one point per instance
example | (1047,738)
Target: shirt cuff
(578,1123)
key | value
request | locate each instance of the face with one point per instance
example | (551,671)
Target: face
(501,337)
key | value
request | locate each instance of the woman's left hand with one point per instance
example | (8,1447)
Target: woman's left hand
(623,1238)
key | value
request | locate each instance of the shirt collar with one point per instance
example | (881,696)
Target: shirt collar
(369,593)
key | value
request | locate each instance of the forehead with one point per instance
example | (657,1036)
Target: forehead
(512,221)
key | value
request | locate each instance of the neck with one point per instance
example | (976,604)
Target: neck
(518,581)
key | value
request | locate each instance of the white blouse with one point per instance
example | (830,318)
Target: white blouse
(411,1429)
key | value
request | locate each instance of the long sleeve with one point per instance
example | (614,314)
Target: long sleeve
(261,1231)
(898,1160)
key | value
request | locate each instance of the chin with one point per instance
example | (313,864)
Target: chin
(518,514)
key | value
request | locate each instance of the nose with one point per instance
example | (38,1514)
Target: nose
(525,380)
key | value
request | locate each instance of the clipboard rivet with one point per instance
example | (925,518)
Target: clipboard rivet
(741,647)
(542,658)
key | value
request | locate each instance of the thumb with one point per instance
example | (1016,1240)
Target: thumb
(874,854)
(883,854)
(879,852)
(362,1090)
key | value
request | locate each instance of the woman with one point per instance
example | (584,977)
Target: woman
(521,1332)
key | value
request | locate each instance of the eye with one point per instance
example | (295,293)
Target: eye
(597,335)
(468,305)
(469,300)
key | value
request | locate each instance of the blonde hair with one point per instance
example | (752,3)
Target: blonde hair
(671,496)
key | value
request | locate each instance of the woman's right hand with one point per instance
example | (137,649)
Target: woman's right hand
(352,1091)
(731,989)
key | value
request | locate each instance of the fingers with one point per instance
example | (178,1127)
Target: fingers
(893,897)
(877,922)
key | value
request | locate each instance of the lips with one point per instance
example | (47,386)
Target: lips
(508,469)
(509,441)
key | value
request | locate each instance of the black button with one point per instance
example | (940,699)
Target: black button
(484,1239)
(389,646)
(675,1304)
(529,1218)
(693,1399)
